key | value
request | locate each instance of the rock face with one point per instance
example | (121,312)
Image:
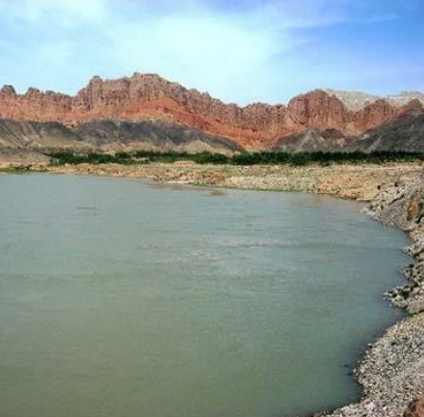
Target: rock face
(148,96)
(402,205)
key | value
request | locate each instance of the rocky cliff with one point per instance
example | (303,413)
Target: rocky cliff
(149,97)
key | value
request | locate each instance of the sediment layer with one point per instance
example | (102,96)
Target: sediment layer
(151,97)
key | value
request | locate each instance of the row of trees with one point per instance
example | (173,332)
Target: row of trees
(256,158)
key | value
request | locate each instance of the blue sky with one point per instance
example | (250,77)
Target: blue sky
(239,51)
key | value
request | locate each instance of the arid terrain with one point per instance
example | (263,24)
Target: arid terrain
(346,181)
(252,170)
(148,111)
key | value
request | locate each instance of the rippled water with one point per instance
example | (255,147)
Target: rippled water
(123,298)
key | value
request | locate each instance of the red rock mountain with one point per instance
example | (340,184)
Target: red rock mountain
(148,96)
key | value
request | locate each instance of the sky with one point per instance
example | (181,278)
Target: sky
(240,51)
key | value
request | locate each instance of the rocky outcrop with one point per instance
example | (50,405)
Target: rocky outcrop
(402,205)
(34,105)
(318,110)
(148,96)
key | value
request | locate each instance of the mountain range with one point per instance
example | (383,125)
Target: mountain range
(147,111)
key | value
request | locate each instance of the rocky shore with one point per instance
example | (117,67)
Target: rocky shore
(358,182)
(392,371)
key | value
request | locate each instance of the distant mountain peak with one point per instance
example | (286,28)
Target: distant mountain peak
(357,100)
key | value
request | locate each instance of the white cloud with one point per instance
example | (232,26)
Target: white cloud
(237,50)
(197,45)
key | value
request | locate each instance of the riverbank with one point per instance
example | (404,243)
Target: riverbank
(357,182)
(392,371)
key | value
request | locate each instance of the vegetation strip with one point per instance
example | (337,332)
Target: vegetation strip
(248,159)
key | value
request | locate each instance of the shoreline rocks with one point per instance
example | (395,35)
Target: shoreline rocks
(392,372)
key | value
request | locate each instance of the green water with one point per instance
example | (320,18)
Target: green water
(119,298)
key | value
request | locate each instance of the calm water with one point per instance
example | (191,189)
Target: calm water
(119,298)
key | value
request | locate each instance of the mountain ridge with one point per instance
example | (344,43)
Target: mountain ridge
(144,97)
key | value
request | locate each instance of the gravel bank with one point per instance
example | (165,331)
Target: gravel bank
(358,182)
(392,372)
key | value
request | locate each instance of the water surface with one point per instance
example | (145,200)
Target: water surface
(123,298)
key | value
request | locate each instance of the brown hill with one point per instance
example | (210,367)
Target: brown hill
(149,97)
